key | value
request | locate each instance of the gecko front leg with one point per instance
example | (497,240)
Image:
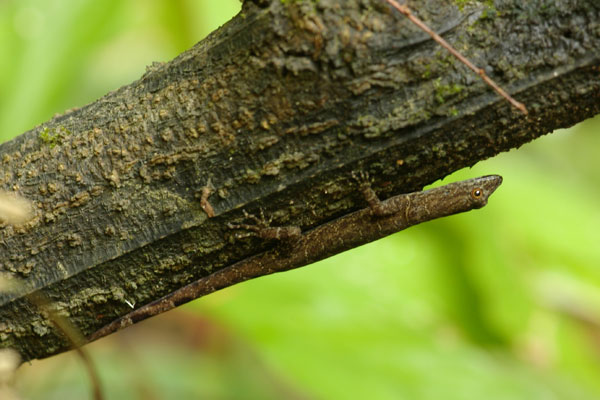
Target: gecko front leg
(378,208)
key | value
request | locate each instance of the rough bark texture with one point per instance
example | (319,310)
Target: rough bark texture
(273,110)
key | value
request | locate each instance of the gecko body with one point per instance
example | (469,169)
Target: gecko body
(380,219)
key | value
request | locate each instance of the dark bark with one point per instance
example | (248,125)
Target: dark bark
(273,110)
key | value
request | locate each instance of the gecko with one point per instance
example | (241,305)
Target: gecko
(379,219)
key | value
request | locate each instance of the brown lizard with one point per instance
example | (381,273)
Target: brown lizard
(380,219)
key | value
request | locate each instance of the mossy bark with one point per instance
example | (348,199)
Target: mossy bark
(274,110)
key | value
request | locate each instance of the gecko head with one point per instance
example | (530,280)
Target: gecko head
(482,188)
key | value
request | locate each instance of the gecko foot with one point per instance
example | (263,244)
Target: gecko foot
(262,228)
(362,178)
(364,185)
(254,229)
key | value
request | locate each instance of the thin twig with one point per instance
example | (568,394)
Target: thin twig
(73,335)
(16,210)
(479,71)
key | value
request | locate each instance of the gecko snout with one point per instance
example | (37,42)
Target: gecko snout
(485,186)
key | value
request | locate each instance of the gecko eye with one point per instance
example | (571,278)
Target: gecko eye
(477,193)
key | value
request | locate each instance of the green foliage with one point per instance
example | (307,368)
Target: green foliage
(499,303)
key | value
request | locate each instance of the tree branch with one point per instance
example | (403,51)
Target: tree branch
(273,110)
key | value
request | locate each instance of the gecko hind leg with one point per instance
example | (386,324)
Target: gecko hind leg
(257,228)
(262,228)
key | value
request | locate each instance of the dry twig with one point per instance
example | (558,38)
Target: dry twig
(479,71)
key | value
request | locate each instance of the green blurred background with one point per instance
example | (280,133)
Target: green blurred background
(499,303)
